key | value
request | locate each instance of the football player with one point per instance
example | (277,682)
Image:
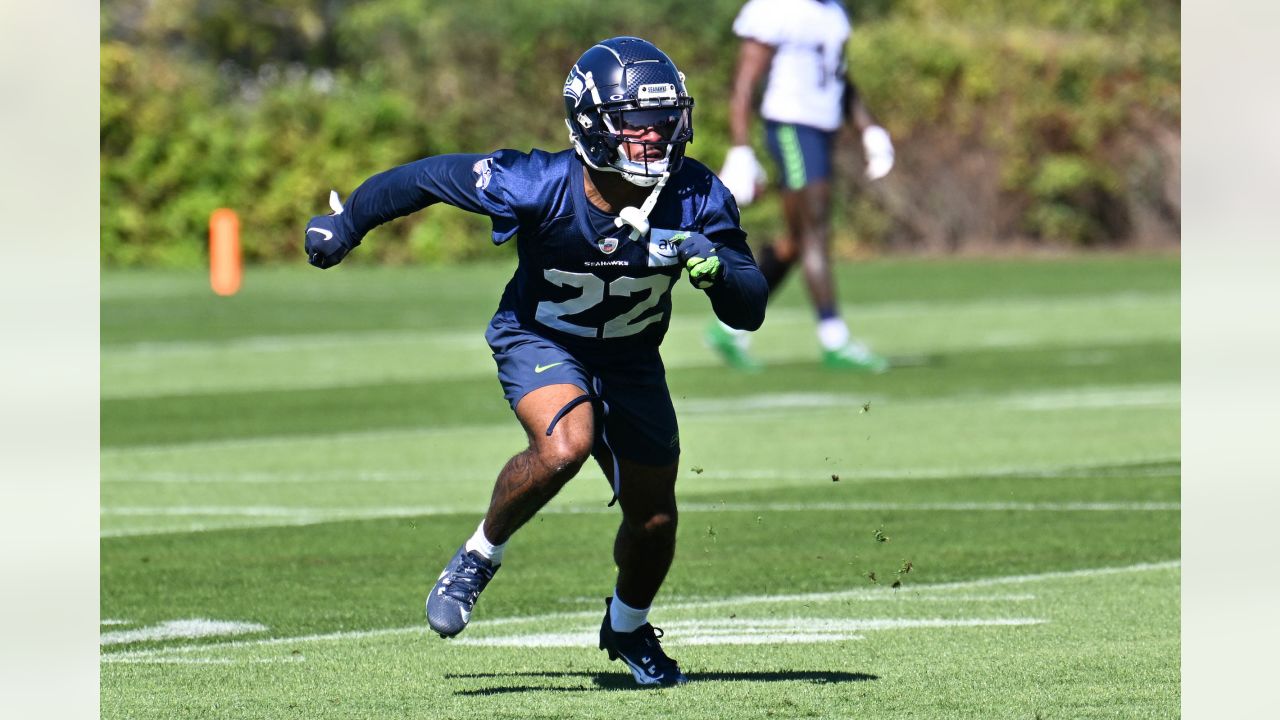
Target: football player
(603,231)
(799,45)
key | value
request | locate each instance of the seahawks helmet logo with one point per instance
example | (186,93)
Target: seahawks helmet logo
(575,85)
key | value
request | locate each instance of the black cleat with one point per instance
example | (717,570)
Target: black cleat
(642,651)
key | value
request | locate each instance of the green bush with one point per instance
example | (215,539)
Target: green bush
(262,107)
(1059,109)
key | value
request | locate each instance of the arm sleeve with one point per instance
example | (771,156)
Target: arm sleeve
(464,181)
(740,297)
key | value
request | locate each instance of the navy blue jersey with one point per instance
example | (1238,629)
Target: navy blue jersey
(580,280)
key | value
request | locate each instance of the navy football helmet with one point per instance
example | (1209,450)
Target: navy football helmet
(628,84)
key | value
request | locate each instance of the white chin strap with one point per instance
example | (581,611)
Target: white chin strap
(638,218)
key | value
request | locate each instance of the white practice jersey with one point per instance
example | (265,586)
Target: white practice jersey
(806,80)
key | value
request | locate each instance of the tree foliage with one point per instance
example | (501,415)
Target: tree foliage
(1046,120)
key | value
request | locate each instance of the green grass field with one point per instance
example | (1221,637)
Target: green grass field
(285,471)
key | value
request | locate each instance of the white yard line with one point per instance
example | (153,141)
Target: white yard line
(282,516)
(943,507)
(778,316)
(322,513)
(289,344)
(266,642)
(590,638)
(1059,575)
(321,439)
(255,477)
(176,629)
(1095,398)
(912,597)
(766,405)
(1161,394)
(774,401)
(282,477)
(756,631)
(295,513)
(854,594)
(121,658)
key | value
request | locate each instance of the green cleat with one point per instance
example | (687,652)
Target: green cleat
(854,356)
(730,348)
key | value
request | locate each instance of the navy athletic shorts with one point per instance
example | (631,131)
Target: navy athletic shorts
(639,421)
(802,153)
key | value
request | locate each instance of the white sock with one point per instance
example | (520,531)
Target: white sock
(480,545)
(741,338)
(833,333)
(624,618)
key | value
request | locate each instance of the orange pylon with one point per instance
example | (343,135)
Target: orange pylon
(224,251)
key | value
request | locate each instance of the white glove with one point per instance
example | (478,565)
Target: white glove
(742,174)
(879,151)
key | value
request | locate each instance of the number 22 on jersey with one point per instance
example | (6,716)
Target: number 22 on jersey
(594,289)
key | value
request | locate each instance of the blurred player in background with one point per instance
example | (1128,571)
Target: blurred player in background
(800,46)
(603,231)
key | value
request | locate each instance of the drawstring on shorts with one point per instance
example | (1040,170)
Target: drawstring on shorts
(596,400)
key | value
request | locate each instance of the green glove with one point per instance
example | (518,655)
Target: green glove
(698,254)
(704,272)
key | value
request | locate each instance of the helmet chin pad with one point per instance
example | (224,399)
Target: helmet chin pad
(637,179)
(640,180)
(643,174)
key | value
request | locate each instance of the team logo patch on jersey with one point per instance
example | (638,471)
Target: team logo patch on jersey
(483,170)
(662,251)
(607,245)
